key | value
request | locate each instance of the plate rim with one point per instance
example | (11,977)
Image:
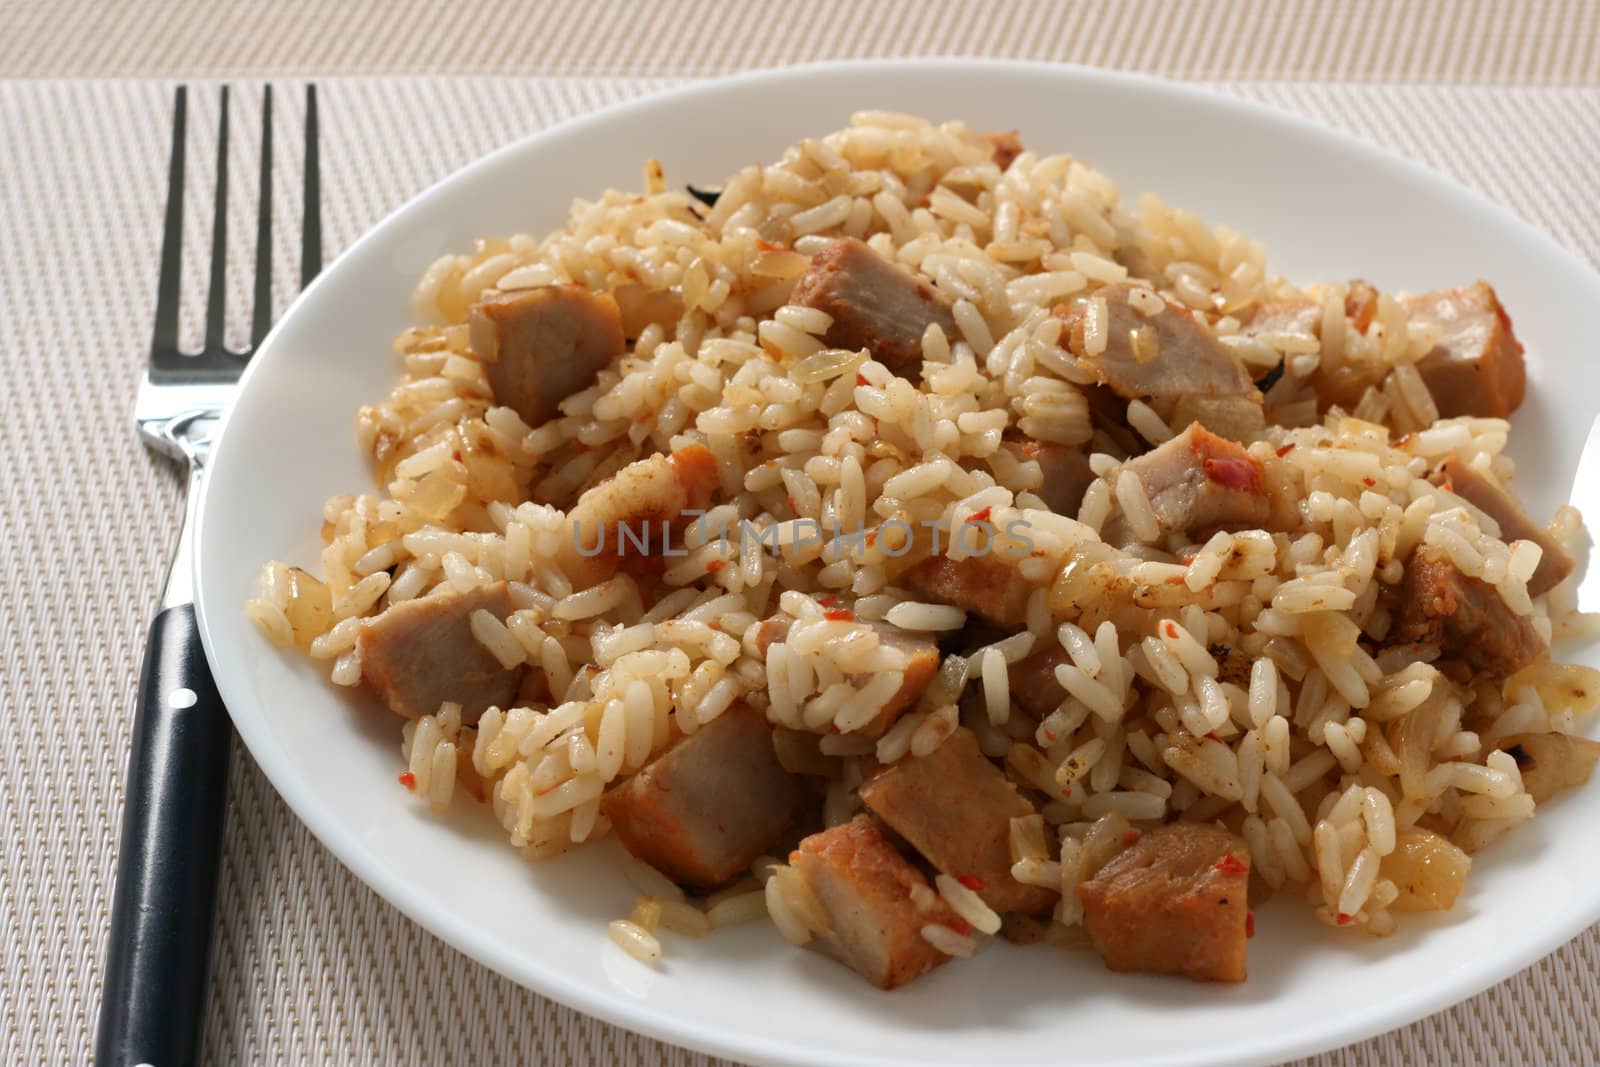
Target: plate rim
(639,1016)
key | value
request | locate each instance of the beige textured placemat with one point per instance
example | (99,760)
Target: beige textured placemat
(1481,42)
(310,965)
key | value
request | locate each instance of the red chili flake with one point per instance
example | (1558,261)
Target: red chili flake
(1230,864)
(1170,628)
(1344,920)
(1188,558)
(981,515)
(960,926)
(1249,924)
(1233,472)
(1050,737)
(771,246)
(716,565)
(646,417)
(829,600)
(790,500)
(1285,450)
(408,780)
(1368,481)
(971,881)
(838,614)
(456,455)
(861,379)
(1129,837)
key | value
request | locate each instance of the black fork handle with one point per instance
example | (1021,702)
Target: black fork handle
(154,1001)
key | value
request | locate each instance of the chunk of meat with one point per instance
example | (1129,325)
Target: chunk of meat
(955,807)
(921,653)
(1007,146)
(1464,617)
(638,511)
(1167,354)
(865,889)
(1477,367)
(1289,315)
(1490,498)
(420,653)
(1034,688)
(1237,418)
(1065,469)
(1174,902)
(703,810)
(1551,762)
(990,586)
(1199,481)
(875,305)
(539,346)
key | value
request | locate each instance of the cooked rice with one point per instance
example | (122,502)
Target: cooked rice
(1310,750)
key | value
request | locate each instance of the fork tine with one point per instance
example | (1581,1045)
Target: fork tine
(165,338)
(261,316)
(311,228)
(217,299)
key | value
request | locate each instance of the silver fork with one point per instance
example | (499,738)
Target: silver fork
(153,999)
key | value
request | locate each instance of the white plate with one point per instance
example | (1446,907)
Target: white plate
(1328,206)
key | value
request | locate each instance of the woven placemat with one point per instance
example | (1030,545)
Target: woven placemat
(311,966)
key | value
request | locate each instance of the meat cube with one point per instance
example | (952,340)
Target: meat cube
(1496,502)
(638,511)
(865,889)
(921,654)
(420,653)
(1551,762)
(1165,354)
(990,586)
(875,305)
(1174,902)
(955,807)
(1198,481)
(1465,617)
(703,810)
(1290,315)
(1064,469)
(539,346)
(1007,147)
(1477,367)
(1034,688)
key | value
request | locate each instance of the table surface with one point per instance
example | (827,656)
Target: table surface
(310,965)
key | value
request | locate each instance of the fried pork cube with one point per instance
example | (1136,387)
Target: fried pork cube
(420,653)
(645,503)
(922,663)
(866,889)
(539,346)
(875,305)
(989,586)
(955,808)
(1199,481)
(1464,617)
(703,810)
(1168,353)
(1065,470)
(1174,902)
(1495,501)
(1477,367)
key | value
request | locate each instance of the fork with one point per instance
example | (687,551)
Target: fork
(153,999)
